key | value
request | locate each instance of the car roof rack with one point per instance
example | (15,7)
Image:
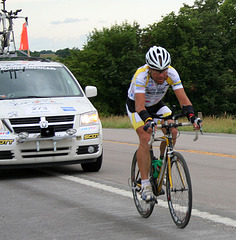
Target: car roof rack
(14,57)
(8,49)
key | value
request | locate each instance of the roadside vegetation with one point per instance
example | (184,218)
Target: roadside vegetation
(210,124)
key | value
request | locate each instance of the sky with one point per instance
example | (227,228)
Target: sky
(60,24)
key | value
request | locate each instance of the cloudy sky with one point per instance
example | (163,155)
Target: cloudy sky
(59,24)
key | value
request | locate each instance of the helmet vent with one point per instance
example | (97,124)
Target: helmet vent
(158,58)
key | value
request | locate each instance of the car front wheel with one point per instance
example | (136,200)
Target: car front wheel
(94,166)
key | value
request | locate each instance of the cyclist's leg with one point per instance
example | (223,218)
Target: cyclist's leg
(143,154)
(164,110)
(144,164)
(174,133)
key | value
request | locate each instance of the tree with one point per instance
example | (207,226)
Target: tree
(63,53)
(201,40)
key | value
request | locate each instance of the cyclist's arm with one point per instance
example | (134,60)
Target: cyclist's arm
(139,102)
(184,100)
(182,97)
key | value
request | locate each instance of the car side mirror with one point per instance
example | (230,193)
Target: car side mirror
(90,91)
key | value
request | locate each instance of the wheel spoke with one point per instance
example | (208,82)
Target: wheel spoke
(180,196)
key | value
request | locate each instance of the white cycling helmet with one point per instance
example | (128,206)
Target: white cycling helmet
(158,58)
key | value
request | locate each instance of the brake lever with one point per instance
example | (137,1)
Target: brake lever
(198,122)
(152,134)
(196,136)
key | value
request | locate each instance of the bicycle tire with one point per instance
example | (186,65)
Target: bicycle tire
(179,198)
(144,208)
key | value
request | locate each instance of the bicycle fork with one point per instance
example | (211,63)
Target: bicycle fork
(168,156)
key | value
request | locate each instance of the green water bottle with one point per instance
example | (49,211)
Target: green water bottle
(156,164)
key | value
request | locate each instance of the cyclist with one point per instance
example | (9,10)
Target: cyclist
(147,89)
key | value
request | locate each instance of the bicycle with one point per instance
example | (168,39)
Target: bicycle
(6,29)
(177,176)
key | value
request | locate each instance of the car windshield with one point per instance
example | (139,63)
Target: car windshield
(37,82)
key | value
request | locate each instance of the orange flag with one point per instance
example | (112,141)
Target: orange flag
(24,45)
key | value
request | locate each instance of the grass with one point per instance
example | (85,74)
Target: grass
(210,124)
(116,122)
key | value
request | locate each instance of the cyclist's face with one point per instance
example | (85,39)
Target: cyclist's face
(158,76)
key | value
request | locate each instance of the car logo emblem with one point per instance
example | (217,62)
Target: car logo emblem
(43,124)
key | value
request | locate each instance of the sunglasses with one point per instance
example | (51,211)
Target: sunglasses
(160,71)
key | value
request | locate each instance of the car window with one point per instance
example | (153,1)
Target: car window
(37,82)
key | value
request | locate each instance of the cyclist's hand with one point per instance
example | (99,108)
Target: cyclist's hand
(197,122)
(148,126)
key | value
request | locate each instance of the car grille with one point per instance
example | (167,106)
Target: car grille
(31,125)
(45,152)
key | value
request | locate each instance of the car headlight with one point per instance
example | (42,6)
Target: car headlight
(89,118)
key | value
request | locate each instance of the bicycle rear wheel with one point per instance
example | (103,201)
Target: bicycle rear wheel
(144,208)
(180,196)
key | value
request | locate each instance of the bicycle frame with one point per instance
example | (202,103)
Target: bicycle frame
(166,166)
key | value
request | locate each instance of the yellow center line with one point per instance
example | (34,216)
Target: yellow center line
(190,151)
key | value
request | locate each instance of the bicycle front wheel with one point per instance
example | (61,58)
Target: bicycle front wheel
(144,208)
(179,197)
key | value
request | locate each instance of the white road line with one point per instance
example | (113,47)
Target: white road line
(205,215)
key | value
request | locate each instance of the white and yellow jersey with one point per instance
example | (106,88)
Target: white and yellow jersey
(143,83)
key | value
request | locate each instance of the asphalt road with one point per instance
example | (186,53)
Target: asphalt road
(64,203)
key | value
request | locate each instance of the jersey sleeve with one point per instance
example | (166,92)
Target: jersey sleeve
(139,82)
(174,79)
(139,85)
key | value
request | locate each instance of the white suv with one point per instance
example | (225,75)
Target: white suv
(46,118)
